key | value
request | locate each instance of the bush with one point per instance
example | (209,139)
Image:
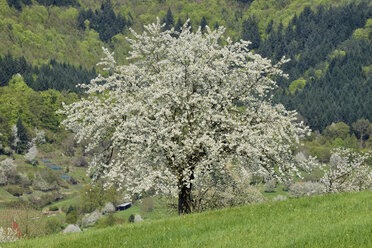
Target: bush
(30,156)
(91,219)
(71,217)
(45,181)
(314,176)
(106,222)
(306,189)
(69,145)
(270,186)
(80,162)
(8,172)
(53,208)
(96,196)
(46,199)
(147,205)
(53,225)
(6,151)
(24,181)
(131,218)
(15,190)
(110,220)
(72,180)
(280,198)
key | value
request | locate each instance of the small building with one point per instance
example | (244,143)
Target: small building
(123,206)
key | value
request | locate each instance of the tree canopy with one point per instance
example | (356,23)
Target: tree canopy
(184,109)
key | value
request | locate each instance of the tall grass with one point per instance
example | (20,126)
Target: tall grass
(339,220)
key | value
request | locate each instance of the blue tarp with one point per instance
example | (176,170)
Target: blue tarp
(54,167)
(64,176)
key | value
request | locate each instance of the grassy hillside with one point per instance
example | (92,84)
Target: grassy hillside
(339,220)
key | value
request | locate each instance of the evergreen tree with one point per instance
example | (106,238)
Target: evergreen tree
(22,137)
(27,2)
(189,24)
(168,20)
(203,24)
(269,27)
(251,33)
(178,25)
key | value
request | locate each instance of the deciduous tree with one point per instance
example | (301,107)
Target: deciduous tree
(181,111)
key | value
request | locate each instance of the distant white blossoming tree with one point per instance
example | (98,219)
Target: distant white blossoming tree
(348,171)
(187,105)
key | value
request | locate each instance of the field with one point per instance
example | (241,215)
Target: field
(337,220)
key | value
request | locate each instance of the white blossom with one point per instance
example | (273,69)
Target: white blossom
(39,137)
(181,110)
(8,235)
(31,154)
(15,135)
(348,171)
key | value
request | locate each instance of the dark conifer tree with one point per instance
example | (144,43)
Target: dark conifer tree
(27,2)
(168,20)
(22,136)
(251,33)
(203,24)
(269,27)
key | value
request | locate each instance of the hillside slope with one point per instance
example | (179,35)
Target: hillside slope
(313,34)
(41,33)
(339,220)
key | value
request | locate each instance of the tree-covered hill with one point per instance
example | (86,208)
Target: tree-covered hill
(56,44)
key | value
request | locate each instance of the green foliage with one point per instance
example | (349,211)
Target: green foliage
(22,136)
(363,129)
(53,208)
(53,225)
(329,60)
(108,221)
(34,109)
(323,153)
(104,21)
(337,130)
(71,216)
(39,34)
(297,85)
(251,33)
(314,176)
(54,75)
(95,197)
(15,190)
(168,20)
(147,205)
(131,218)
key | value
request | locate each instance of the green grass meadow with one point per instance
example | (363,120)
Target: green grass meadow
(337,220)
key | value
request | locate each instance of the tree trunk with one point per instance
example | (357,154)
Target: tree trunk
(361,140)
(184,200)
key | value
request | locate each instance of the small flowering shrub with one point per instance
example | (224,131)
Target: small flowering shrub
(31,155)
(306,189)
(8,235)
(270,186)
(8,171)
(349,171)
(280,198)
(226,190)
